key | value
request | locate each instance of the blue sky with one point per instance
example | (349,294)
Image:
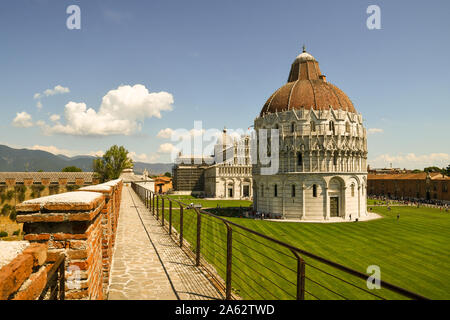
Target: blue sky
(220,61)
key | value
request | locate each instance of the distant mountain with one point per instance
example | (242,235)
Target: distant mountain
(22,160)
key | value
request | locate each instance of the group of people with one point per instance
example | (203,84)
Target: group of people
(443,206)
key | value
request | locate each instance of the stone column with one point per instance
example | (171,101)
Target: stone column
(303,214)
(327,203)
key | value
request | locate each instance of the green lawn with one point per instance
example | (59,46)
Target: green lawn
(412,252)
(212,203)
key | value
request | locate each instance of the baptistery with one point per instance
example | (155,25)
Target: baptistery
(318,161)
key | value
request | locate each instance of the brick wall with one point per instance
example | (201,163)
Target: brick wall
(25,276)
(109,215)
(81,225)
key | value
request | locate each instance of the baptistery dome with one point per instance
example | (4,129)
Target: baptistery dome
(315,163)
(307,88)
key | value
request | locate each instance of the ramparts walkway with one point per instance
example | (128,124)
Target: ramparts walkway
(147,264)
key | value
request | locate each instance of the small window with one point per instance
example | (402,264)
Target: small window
(262,190)
(313,126)
(335,160)
(275,191)
(292,127)
(293,191)
(299,159)
(314,191)
(331,126)
(347,127)
(444,187)
(353,190)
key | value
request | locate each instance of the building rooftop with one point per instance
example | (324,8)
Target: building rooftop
(408,176)
(307,88)
(53,176)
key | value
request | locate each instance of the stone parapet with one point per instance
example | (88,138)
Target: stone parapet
(81,225)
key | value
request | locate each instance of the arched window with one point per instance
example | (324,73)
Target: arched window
(262,190)
(347,127)
(314,191)
(292,127)
(275,191)
(313,126)
(293,191)
(335,159)
(299,159)
(353,189)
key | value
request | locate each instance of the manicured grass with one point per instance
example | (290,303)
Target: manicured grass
(412,252)
(212,203)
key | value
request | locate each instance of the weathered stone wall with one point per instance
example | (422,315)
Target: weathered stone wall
(82,226)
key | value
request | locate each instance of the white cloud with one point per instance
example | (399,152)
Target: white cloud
(22,120)
(374,130)
(121,112)
(411,160)
(55,117)
(166,148)
(143,157)
(165,133)
(56,90)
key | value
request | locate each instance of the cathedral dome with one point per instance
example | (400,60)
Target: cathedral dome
(307,88)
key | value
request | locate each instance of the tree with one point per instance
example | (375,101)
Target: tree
(71,169)
(168,174)
(446,171)
(432,169)
(113,162)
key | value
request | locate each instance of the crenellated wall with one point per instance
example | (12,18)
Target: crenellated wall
(82,226)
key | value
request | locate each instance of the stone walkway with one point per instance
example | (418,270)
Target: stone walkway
(147,264)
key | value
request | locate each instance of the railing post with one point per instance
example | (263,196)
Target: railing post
(157,207)
(62,280)
(153,205)
(162,211)
(199,230)
(170,217)
(181,226)
(229,262)
(300,277)
(150,200)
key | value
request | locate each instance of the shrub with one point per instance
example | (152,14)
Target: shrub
(72,187)
(20,191)
(16,233)
(6,210)
(10,194)
(3,234)
(13,214)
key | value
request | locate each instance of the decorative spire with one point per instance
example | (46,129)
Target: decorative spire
(304,48)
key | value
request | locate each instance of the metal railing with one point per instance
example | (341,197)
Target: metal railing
(55,287)
(257,266)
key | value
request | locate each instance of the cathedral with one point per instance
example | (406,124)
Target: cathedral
(322,150)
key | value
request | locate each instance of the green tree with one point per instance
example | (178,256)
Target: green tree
(432,169)
(168,174)
(71,169)
(113,162)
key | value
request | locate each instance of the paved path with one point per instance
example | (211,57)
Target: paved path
(147,264)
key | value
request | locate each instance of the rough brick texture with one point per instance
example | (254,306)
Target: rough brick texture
(82,226)
(25,276)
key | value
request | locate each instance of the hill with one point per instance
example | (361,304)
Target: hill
(22,160)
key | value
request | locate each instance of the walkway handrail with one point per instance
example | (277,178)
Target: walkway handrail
(297,252)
